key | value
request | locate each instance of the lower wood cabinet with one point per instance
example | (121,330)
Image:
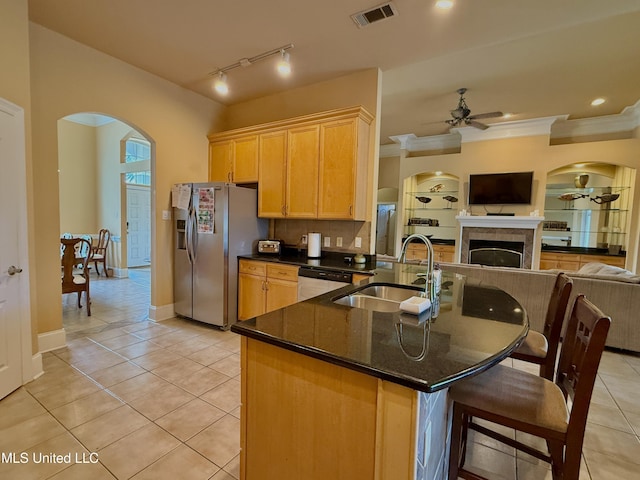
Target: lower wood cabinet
(265,286)
(573,261)
(441,253)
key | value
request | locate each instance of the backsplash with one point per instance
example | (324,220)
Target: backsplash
(291,231)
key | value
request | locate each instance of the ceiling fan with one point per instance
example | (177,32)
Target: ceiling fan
(462,114)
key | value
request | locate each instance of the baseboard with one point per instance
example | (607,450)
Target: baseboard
(52,340)
(119,272)
(164,312)
(36,368)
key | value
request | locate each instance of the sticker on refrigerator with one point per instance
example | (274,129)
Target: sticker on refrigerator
(205,210)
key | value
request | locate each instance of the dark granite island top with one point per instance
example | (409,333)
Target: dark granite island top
(476,327)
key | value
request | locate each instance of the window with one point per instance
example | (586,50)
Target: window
(137,150)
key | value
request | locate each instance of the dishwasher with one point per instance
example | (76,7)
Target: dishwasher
(316,281)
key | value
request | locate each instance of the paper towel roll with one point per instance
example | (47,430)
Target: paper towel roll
(315,240)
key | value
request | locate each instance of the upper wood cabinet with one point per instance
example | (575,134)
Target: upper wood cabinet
(315,166)
(234,160)
(342,173)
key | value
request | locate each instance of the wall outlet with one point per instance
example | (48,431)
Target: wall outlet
(358,242)
(166,215)
(327,241)
(304,239)
(338,241)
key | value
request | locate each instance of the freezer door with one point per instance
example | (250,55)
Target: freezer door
(210,236)
(182,279)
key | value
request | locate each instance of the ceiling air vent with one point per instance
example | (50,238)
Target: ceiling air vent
(381,12)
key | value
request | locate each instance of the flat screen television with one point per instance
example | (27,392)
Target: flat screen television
(500,188)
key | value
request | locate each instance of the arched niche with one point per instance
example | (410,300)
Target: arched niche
(589,205)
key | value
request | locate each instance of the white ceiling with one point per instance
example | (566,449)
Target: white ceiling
(532,58)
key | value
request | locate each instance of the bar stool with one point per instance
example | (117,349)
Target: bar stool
(542,348)
(532,404)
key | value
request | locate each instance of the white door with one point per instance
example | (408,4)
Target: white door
(138,225)
(11,234)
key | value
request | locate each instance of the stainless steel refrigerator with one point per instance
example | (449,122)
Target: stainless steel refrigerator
(213,224)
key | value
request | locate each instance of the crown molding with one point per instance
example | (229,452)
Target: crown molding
(557,126)
(625,121)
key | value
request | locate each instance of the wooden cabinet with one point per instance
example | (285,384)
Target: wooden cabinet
(316,166)
(342,170)
(264,286)
(441,253)
(302,172)
(571,262)
(234,160)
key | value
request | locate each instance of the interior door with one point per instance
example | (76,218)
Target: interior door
(12,286)
(139,226)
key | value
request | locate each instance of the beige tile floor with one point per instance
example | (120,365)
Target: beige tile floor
(161,400)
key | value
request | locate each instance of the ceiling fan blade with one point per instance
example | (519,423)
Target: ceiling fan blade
(479,125)
(486,115)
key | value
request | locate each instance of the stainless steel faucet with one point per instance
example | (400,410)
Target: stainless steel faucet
(429,288)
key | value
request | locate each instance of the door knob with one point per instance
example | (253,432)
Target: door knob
(13,270)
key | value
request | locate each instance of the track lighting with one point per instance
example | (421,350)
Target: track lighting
(283,67)
(220,84)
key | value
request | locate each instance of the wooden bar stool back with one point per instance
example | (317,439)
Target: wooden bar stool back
(542,348)
(532,404)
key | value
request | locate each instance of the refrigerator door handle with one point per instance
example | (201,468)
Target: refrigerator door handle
(189,237)
(193,242)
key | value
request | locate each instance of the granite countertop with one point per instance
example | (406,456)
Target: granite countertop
(476,327)
(581,250)
(329,260)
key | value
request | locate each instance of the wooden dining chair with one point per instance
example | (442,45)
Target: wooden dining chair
(75,272)
(99,251)
(556,412)
(542,348)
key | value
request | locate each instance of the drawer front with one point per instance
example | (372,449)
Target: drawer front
(253,268)
(283,272)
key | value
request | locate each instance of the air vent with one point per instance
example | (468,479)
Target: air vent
(381,12)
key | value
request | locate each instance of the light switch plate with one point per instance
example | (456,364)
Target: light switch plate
(338,241)
(358,242)
(327,241)
(166,215)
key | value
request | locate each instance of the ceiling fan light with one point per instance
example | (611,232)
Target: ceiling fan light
(220,84)
(284,65)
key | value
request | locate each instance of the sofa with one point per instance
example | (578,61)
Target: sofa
(616,293)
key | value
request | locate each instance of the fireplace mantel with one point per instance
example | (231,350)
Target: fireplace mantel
(499,221)
(499,228)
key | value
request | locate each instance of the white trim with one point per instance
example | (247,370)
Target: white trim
(557,126)
(498,221)
(52,340)
(36,366)
(164,312)
(518,128)
(24,307)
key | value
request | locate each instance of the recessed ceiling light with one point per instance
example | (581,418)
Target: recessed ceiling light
(507,115)
(438,173)
(444,4)
(597,101)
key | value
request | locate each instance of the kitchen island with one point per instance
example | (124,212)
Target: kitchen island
(334,391)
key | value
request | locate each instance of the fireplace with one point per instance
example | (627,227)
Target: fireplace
(498,241)
(496,253)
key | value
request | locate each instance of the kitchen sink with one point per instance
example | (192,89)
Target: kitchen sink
(378,297)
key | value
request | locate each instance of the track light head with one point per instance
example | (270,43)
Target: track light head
(284,64)
(220,84)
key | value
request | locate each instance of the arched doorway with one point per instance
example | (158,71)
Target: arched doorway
(96,169)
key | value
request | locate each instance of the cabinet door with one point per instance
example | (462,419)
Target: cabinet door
(220,161)
(272,174)
(245,160)
(281,293)
(251,296)
(302,172)
(337,170)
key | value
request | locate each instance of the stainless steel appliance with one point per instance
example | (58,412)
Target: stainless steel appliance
(219,223)
(316,281)
(270,246)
